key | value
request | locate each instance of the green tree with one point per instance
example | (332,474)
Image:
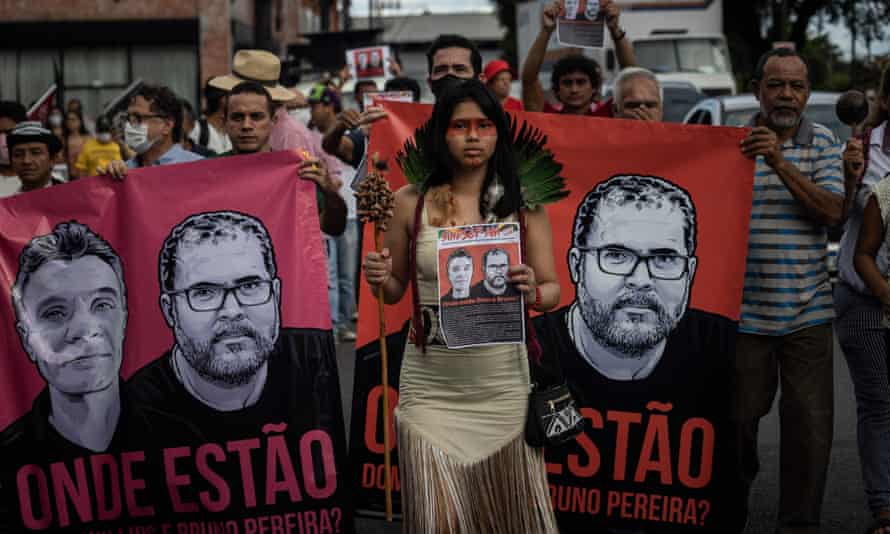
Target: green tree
(507,17)
(752,26)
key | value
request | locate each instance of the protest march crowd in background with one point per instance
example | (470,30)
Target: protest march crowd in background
(805,181)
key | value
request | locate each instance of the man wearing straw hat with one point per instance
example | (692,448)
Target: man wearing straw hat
(264,68)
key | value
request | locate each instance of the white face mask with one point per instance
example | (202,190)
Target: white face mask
(104,137)
(136,138)
(301,115)
(55,120)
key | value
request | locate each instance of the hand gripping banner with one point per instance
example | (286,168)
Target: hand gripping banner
(666,203)
(168,364)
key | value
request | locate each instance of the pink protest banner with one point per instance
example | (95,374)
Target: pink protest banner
(168,364)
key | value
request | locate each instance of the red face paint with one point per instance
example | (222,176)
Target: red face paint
(472,127)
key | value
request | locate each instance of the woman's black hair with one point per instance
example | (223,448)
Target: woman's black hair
(502,163)
(83,127)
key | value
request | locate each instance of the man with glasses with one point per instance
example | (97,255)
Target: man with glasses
(632,262)
(154,124)
(220,295)
(630,347)
(495,264)
(235,375)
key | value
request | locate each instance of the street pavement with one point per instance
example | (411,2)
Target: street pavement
(843,512)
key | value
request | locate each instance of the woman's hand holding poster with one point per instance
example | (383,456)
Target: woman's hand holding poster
(477,303)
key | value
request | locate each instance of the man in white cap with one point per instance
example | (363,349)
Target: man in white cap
(32,149)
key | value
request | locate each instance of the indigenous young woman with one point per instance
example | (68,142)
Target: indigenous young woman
(464,465)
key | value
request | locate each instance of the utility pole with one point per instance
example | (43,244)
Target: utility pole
(851,16)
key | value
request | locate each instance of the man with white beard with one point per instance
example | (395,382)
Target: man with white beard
(787,310)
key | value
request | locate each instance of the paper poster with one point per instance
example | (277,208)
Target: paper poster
(370,62)
(653,455)
(373,98)
(580,24)
(477,303)
(176,373)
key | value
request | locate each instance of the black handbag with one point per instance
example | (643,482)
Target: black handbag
(553,418)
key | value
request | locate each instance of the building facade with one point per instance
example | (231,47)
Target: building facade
(96,48)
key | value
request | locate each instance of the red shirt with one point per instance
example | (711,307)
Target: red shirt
(602,109)
(513,104)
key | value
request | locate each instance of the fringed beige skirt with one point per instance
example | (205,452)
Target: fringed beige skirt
(464,465)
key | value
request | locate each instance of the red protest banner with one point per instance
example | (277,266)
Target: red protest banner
(168,362)
(653,432)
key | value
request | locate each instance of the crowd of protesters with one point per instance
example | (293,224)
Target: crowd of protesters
(806,180)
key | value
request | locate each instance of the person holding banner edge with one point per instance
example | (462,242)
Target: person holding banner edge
(576,79)
(785,329)
(464,463)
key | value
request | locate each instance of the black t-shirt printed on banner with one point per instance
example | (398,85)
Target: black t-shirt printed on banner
(280,458)
(480,291)
(653,457)
(49,484)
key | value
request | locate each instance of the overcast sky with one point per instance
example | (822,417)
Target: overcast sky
(838,34)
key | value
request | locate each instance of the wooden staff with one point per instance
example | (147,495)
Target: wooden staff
(374,200)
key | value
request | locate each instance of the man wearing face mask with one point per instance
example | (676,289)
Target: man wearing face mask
(450,59)
(154,121)
(11,113)
(98,151)
(56,119)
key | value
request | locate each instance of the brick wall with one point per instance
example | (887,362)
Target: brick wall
(215,41)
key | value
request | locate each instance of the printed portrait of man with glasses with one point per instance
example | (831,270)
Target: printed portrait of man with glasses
(494,283)
(632,261)
(221,296)
(234,372)
(232,368)
(631,343)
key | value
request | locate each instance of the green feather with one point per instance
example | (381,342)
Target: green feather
(413,160)
(539,172)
